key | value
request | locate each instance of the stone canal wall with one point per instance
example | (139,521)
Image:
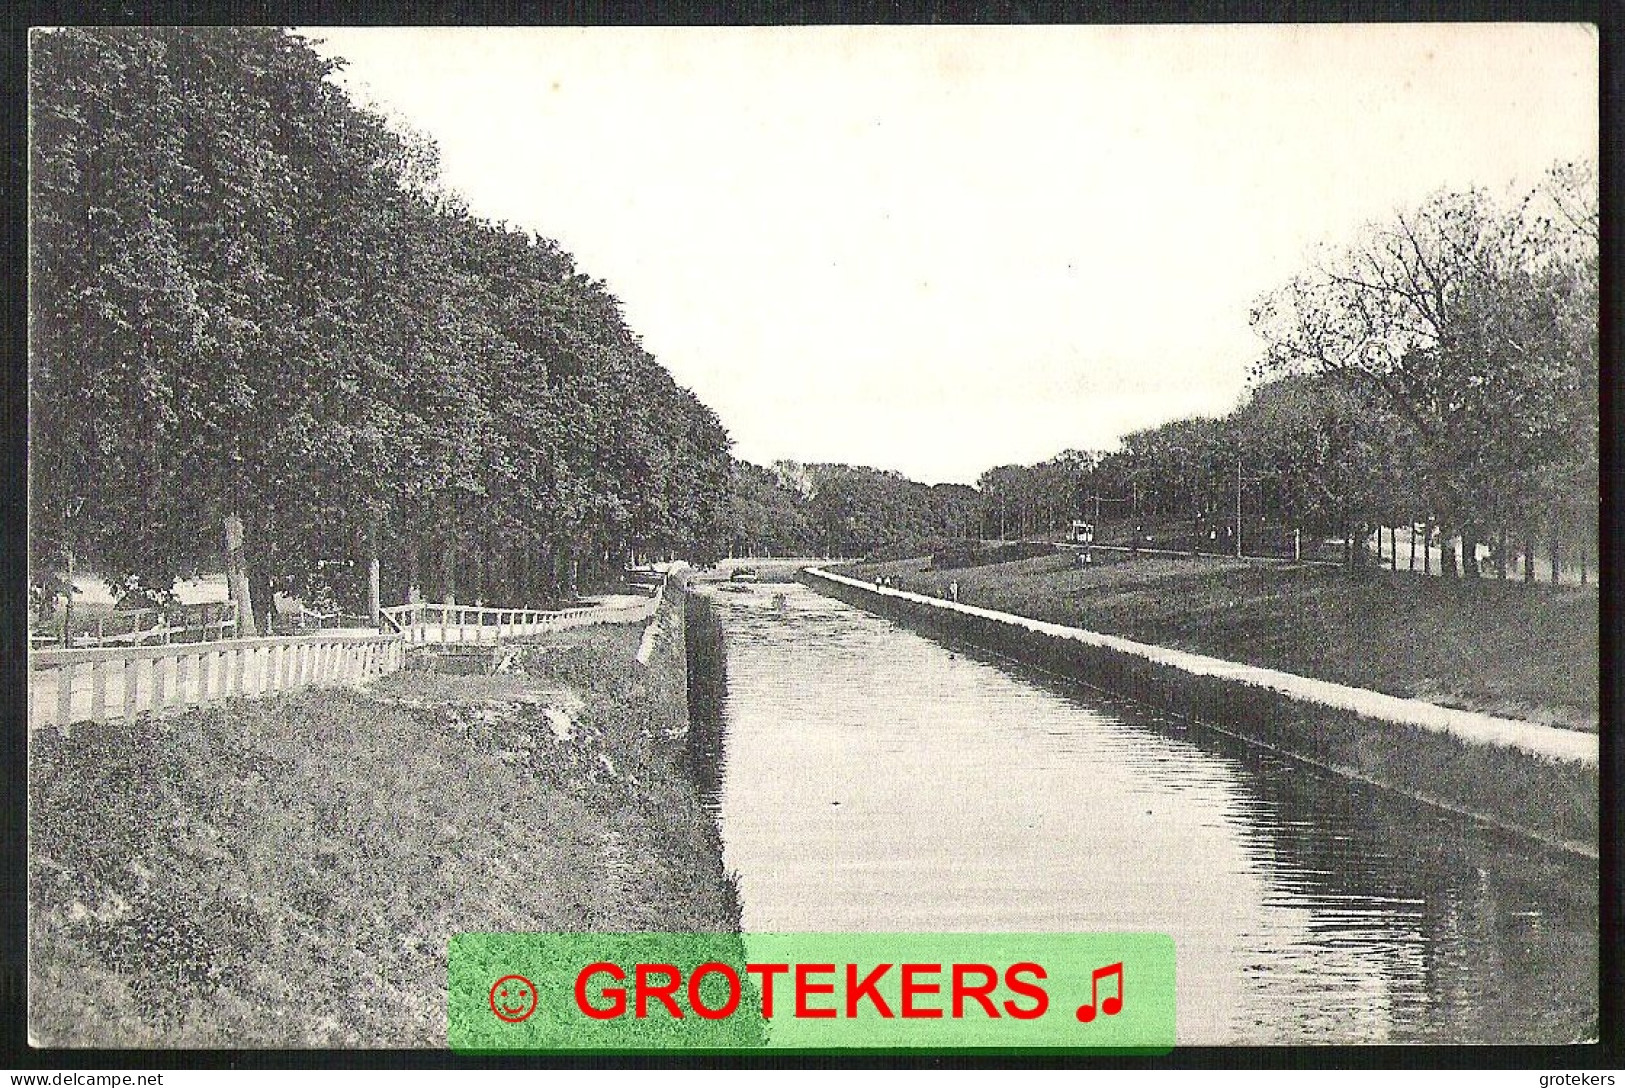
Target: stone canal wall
(1531,780)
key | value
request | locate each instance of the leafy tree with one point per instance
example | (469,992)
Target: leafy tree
(764,516)
(1474,322)
(257,310)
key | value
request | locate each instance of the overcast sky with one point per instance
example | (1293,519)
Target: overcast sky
(939,249)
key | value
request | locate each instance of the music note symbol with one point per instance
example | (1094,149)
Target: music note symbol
(1112,1005)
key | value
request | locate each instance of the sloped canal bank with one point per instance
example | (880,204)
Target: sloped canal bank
(874,779)
(287,871)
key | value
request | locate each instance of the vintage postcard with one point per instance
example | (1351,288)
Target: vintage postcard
(914,540)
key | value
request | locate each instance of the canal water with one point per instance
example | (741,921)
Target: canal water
(873,779)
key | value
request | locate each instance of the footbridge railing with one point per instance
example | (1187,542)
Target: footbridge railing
(443,624)
(111,683)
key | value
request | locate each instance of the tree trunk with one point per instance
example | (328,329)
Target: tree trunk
(1557,562)
(67,599)
(237,577)
(374,599)
(1528,559)
(414,571)
(1393,547)
(1412,532)
(1447,557)
(1469,552)
(1501,554)
(448,569)
(264,600)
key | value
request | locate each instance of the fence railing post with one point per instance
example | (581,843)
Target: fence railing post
(182,675)
(64,693)
(129,690)
(98,691)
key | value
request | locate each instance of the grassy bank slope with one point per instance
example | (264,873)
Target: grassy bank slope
(1554,801)
(1504,648)
(287,871)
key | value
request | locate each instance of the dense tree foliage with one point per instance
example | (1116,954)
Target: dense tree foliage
(1441,371)
(843,510)
(859,511)
(1022,500)
(1472,323)
(251,301)
(766,517)
(258,316)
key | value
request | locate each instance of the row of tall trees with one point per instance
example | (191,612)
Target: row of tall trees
(845,510)
(260,325)
(1023,500)
(1440,369)
(1471,324)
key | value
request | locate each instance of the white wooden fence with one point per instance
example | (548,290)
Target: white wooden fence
(121,682)
(440,624)
(110,683)
(178,623)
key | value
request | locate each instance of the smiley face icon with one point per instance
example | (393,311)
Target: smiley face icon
(513,998)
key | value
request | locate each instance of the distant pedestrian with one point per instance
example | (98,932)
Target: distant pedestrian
(953,591)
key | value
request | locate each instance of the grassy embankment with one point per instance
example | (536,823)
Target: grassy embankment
(287,871)
(1528,652)
(1553,801)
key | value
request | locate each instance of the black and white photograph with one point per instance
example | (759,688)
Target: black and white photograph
(761,480)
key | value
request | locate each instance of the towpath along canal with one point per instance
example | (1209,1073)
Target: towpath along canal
(875,779)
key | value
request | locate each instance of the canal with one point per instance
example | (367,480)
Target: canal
(873,779)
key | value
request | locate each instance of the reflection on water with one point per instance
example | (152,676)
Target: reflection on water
(874,779)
